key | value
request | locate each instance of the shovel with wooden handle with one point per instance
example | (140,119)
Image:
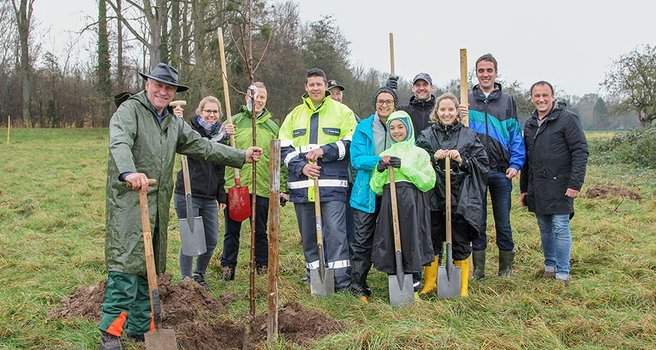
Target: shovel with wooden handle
(239,202)
(448,277)
(192,230)
(401,291)
(159,338)
(322,279)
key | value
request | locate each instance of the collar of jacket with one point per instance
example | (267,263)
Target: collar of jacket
(308,102)
(261,119)
(552,115)
(421,103)
(480,95)
(453,127)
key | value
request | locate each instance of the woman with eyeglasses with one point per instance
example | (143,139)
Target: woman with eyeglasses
(207,186)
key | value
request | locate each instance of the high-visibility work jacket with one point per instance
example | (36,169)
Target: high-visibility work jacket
(329,126)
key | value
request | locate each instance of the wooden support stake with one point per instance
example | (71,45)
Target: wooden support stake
(8,127)
(391,45)
(274,230)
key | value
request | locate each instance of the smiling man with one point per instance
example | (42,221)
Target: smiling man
(315,139)
(144,137)
(493,115)
(421,103)
(552,176)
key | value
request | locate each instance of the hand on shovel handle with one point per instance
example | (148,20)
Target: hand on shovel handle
(253,154)
(139,181)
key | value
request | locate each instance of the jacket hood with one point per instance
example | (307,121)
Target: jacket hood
(405,118)
(308,102)
(553,114)
(479,95)
(420,103)
(261,119)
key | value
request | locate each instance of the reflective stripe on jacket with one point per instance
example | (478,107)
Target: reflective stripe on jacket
(329,126)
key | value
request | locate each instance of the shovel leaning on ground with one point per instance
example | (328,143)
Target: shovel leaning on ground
(322,279)
(192,230)
(401,292)
(448,277)
(159,338)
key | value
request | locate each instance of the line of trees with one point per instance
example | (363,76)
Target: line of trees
(41,89)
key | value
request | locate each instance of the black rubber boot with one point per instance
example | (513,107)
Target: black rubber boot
(479,264)
(109,342)
(505,263)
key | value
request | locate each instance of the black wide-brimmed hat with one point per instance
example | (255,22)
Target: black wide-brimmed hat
(165,74)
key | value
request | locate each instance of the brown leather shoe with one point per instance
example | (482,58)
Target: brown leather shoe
(228,273)
(549,274)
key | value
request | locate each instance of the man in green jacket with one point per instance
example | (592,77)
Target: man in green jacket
(144,136)
(266,130)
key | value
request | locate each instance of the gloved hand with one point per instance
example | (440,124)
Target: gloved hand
(382,165)
(392,82)
(395,162)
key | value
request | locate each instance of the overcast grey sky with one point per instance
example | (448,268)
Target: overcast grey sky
(569,43)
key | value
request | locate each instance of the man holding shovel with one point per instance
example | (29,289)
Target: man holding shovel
(267,130)
(144,136)
(315,139)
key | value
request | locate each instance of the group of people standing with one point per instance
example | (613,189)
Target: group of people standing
(351,158)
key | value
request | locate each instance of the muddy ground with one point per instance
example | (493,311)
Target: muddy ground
(196,317)
(604,191)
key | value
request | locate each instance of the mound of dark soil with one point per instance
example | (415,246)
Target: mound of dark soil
(196,317)
(603,191)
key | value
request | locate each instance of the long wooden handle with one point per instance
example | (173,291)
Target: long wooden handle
(317,211)
(185,175)
(395,212)
(391,45)
(8,127)
(464,86)
(447,178)
(148,244)
(226,94)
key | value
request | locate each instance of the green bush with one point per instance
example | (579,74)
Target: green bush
(637,147)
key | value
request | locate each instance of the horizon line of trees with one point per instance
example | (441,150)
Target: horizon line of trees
(40,89)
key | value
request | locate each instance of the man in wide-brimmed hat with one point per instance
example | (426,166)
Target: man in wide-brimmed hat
(144,136)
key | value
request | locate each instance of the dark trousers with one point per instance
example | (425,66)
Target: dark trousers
(333,219)
(233,228)
(365,225)
(350,221)
(126,303)
(500,189)
(461,240)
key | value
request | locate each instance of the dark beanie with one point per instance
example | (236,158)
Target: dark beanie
(389,91)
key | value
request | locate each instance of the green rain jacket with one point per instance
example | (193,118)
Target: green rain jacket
(415,162)
(267,130)
(139,143)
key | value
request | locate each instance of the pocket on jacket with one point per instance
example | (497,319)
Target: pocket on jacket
(299,132)
(332,131)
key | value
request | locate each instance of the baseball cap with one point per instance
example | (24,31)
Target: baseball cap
(422,76)
(332,83)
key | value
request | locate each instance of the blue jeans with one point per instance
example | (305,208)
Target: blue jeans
(556,243)
(500,189)
(233,229)
(207,209)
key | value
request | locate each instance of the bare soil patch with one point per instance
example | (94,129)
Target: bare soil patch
(604,191)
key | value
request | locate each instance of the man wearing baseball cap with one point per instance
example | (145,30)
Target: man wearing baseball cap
(144,137)
(422,102)
(336,90)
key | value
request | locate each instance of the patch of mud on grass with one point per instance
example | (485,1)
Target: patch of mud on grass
(195,315)
(603,191)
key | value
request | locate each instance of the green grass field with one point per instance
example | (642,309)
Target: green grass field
(52,232)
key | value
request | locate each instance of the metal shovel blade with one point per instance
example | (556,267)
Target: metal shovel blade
(400,294)
(239,203)
(323,286)
(161,339)
(448,282)
(193,238)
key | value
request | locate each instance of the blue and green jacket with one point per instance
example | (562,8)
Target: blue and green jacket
(494,118)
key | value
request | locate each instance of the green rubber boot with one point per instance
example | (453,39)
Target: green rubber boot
(505,263)
(479,264)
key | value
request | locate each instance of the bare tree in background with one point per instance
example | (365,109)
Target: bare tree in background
(23,12)
(103,66)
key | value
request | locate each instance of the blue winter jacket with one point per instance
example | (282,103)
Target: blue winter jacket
(364,161)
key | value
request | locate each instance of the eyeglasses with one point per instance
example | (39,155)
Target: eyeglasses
(385,102)
(211,111)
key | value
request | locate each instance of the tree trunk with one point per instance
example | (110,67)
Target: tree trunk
(175,34)
(23,14)
(120,73)
(103,68)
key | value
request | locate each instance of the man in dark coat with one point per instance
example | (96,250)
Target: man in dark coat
(557,153)
(421,103)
